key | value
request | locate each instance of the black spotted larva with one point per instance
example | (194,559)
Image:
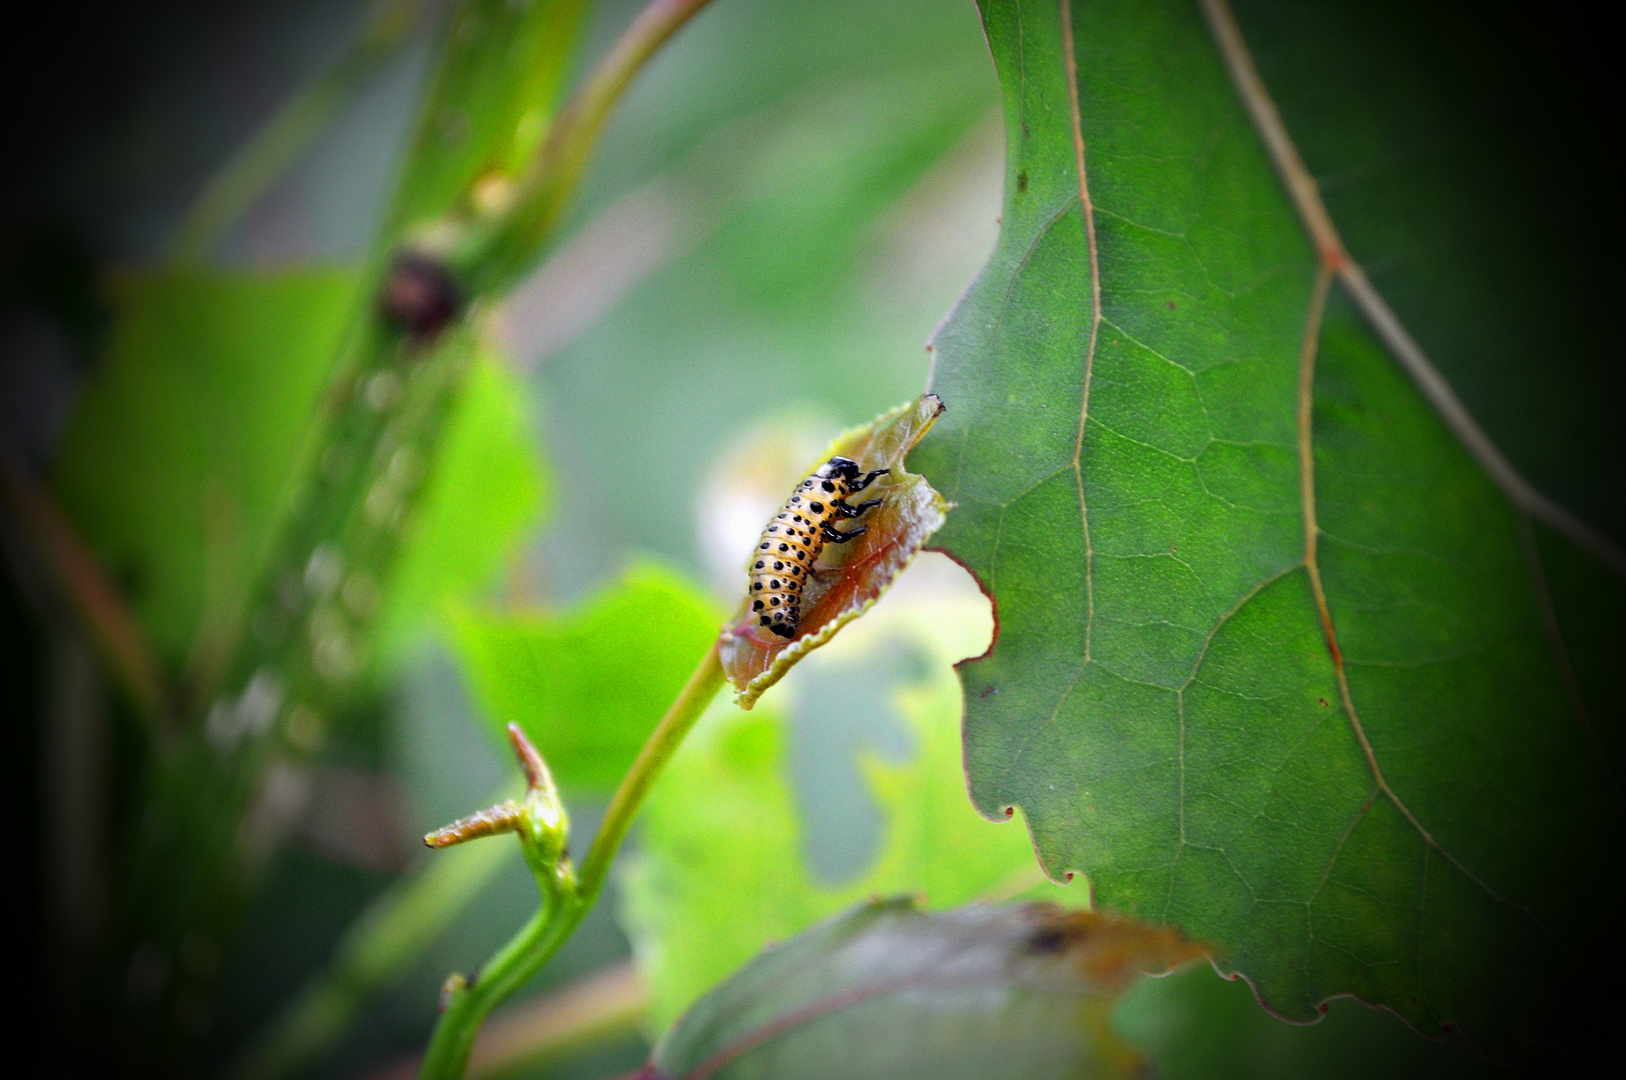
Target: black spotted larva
(783,558)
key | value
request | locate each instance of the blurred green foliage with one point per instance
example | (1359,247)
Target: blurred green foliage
(788,201)
(182,450)
(486,489)
(780,211)
(723,869)
(589,684)
(493,94)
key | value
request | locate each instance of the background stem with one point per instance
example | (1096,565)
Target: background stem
(495,252)
(93,598)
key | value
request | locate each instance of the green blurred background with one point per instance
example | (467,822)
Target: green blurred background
(784,206)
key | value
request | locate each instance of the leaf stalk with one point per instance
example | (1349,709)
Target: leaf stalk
(566,897)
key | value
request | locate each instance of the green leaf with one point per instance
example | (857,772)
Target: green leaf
(1371,764)
(588,686)
(179,456)
(485,488)
(887,990)
(721,871)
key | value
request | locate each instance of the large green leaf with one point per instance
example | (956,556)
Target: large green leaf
(1352,731)
(724,866)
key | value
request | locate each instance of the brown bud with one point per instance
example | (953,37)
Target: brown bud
(419,295)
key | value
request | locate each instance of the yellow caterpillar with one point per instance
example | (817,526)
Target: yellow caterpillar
(793,539)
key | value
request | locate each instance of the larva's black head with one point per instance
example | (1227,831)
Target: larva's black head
(846,468)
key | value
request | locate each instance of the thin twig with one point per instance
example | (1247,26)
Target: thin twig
(691,702)
(97,603)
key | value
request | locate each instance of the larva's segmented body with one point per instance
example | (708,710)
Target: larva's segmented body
(784,557)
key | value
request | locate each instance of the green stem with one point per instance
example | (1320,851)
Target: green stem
(562,910)
(250,172)
(691,702)
(493,253)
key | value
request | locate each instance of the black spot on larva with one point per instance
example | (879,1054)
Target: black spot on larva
(784,547)
(774,600)
(764,547)
(828,486)
(817,508)
(773,528)
(759,561)
(756,585)
(774,584)
(756,605)
(795,499)
(778,566)
(798,517)
(764,620)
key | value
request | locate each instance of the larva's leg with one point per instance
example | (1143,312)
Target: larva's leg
(854,511)
(833,535)
(867,479)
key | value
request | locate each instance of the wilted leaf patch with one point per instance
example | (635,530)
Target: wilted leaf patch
(1022,993)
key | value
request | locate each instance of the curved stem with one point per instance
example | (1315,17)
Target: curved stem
(691,702)
(494,252)
(563,909)
(463,1008)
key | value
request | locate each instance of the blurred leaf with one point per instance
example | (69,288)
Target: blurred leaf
(886,990)
(180,455)
(589,685)
(721,871)
(491,102)
(848,578)
(486,487)
(1354,763)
